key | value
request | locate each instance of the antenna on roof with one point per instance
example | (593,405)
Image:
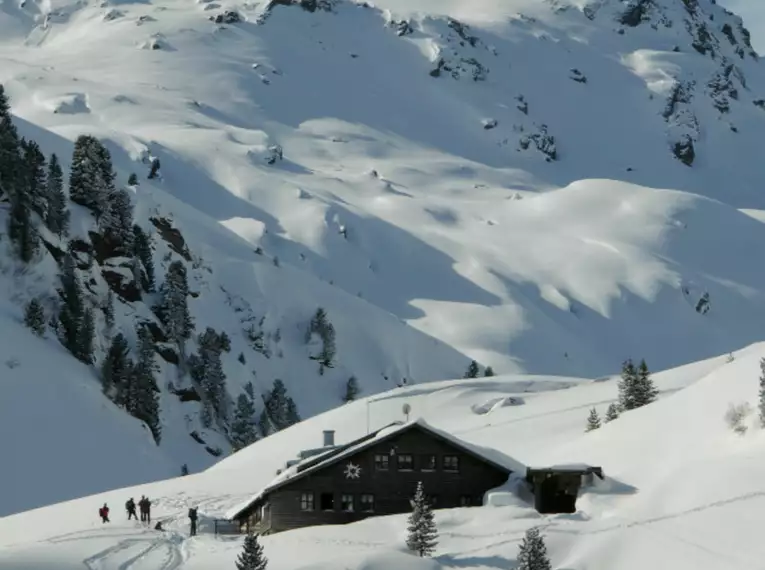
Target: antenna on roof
(405,409)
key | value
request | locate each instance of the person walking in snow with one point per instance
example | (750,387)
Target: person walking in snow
(142,508)
(148,510)
(103,512)
(193,519)
(130,508)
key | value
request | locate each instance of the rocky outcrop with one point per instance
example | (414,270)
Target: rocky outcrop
(172,236)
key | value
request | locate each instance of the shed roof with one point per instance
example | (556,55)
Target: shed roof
(336,454)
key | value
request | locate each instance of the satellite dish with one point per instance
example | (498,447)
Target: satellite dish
(406,408)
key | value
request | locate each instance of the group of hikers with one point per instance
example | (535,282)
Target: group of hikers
(145,507)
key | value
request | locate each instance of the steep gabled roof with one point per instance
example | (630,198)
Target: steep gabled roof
(333,456)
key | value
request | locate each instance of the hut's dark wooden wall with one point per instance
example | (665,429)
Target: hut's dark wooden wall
(392,489)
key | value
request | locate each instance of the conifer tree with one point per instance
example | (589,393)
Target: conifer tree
(423,534)
(351,389)
(251,557)
(109,310)
(21,230)
(627,387)
(532,553)
(117,222)
(57,213)
(132,179)
(321,326)
(116,371)
(10,153)
(91,179)
(173,309)
(473,370)
(33,164)
(142,251)
(488,372)
(279,411)
(243,431)
(72,308)
(87,337)
(612,413)
(144,401)
(593,421)
(34,317)
(645,391)
(207,369)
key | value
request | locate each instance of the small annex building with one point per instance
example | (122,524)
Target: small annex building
(375,475)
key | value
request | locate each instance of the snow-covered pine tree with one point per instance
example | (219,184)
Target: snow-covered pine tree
(34,169)
(279,410)
(473,370)
(132,179)
(144,400)
(72,308)
(21,230)
(327,354)
(488,372)
(91,179)
(351,389)
(532,553)
(243,431)
(34,317)
(108,309)
(251,557)
(57,214)
(645,391)
(627,387)
(293,416)
(423,534)
(207,369)
(116,371)
(611,413)
(10,153)
(761,403)
(593,421)
(86,337)
(143,251)
(173,309)
(117,223)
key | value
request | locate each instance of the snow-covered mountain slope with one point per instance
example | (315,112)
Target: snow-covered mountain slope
(682,489)
(488,188)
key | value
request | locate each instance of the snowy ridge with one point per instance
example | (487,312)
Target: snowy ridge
(675,473)
(450,181)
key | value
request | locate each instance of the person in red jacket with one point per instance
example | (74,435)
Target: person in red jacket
(103,512)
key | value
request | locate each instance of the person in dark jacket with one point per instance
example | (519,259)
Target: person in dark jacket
(148,510)
(130,508)
(158,526)
(142,508)
(103,512)
(193,519)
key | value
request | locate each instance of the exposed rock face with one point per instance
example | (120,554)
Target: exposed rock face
(172,236)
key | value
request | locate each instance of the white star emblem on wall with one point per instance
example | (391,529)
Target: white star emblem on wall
(352,471)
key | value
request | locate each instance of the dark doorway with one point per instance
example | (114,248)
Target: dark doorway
(327,502)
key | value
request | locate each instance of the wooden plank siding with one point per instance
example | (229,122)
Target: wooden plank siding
(392,488)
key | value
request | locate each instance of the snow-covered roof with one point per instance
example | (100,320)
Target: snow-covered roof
(312,464)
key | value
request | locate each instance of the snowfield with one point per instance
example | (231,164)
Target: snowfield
(681,487)
(546,187)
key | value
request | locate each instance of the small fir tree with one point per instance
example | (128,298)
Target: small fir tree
(645,391)
(173,309)
(91,177)
(612,413)
(116,371)
(243,431)
(87,337)
(117,223)
(143,252)
(34,317)
(351,389)
(72,308)
(627,387)
(109,310)
(132,179)
(57,215)
(321,327)
(251,557)
(488,372)
(532,553)
(144,396)
(473,370)
(207,369)
(593,421)
(34,167)
(423,534)
(279,410)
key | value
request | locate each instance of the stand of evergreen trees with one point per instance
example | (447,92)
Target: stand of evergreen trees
(636,388)
(279,411)
(321,326)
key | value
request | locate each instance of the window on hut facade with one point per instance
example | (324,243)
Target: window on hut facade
(405,462)
(346,503)
(367,503)
(451,463)
(306,502)
(428,463)
(381,462)
(465,501)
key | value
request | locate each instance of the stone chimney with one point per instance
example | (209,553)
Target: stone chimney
(329,438)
